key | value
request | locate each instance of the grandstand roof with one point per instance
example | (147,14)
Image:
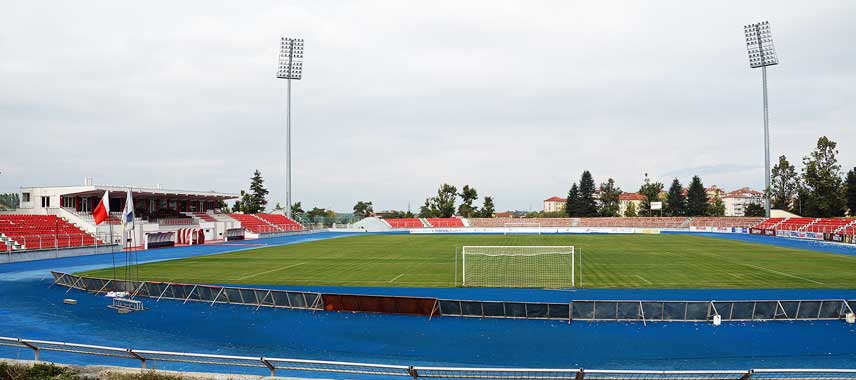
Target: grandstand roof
(136,191)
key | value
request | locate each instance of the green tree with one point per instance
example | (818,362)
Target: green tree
(851,191)
(297,209)
(651,191)
(429,209)
(676,202)
(821,177)
(630,211)
(10,200)
(587,205)
(572,204)
(609,193)
(717,208)
(468,196)
(754,209)
(445,200)
(278,207)
(255,201)
(363,210)
(318,214)
(487,210)
(245,204)
(784,180)
(697,201)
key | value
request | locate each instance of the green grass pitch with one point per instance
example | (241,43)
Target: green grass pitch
(608,261)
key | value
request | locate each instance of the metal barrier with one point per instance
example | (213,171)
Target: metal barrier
(706,310)
(190,292)
(578,310)
(299,366)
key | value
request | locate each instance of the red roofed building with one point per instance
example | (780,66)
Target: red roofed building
(554,204)
(737,200)
(625,199)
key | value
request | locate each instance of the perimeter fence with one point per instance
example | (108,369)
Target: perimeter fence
(577,310)
(148,359)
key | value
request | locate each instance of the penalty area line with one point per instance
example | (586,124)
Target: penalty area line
(396,278)
(643,279)
(781,273)
(269,271)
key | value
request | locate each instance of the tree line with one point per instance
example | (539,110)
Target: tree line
(819,189)
(585,199)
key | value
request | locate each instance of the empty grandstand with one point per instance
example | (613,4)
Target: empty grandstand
(27,232)
(445,222)
(404,223)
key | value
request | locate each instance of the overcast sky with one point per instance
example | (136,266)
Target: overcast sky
(514,98)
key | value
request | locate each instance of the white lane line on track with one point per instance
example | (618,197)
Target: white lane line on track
(269,271)
(783,274)
(396,277)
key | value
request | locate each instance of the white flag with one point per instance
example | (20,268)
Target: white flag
(128,213)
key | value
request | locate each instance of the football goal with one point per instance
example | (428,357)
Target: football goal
(522,228)
(518,266)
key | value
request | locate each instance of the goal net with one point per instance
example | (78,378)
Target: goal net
(522,228)
(518,266)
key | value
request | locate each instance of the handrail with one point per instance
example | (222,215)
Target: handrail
(404,371)
(399,370)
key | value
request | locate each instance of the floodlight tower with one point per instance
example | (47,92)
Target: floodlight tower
(290,67)
(762,53)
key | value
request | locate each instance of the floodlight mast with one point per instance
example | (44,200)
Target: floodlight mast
(290,67)
(762,53)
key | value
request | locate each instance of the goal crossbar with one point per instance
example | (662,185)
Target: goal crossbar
(518,266)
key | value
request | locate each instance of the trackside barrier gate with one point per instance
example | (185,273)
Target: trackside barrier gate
(580,310)
(298,367)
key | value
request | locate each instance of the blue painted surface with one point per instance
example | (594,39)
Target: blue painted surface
(29,308)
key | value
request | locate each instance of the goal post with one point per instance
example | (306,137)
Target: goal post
(518,266)
(522,228)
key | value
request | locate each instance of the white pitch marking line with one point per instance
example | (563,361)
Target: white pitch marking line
(643,279)
(272,270)
(783,274)
(396,277)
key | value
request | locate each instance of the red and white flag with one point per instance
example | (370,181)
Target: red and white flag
(102,211)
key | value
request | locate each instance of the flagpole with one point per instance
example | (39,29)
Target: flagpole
(112,247)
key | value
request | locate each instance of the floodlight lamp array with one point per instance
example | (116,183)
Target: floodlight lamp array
(759,45)
(290,58)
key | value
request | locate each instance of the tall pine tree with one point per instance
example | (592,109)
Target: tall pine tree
(697,201)
(573,201)
(676,203)
(487,210)
(587,205)
(258,194)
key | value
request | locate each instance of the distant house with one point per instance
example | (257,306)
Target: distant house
(504,214)
(737,200)
(625,199)
(714,192)
(554,204)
